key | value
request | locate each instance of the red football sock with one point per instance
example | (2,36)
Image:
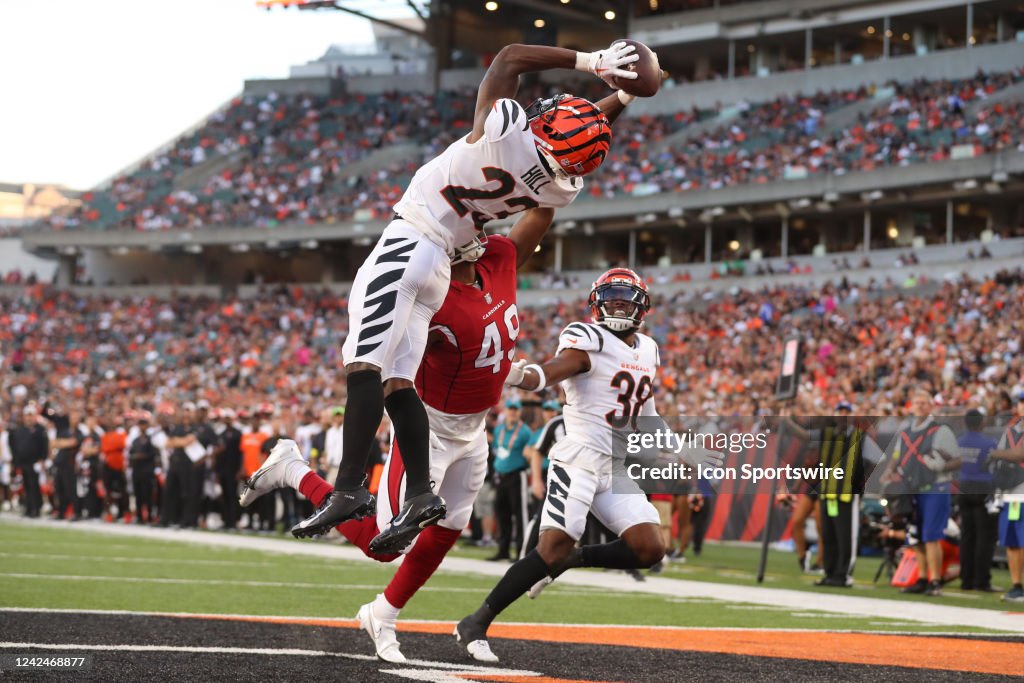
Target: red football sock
(360,532)
(314,488)
(423,560)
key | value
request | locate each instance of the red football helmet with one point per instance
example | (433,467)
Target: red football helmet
(620,284)
(572,134)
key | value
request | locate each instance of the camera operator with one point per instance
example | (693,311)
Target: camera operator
(923,457)
(978,526)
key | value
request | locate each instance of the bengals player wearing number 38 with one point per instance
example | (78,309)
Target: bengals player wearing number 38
(512,161)
(607,370)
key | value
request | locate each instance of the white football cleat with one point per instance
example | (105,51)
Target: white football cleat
(271,474)
(382,634)
(472,637)
(537,588)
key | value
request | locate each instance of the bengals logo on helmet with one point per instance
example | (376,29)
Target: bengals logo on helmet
(572,134)
(619,284)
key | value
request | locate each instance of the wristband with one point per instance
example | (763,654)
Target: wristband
(540,374)
(583,60)
(625,97)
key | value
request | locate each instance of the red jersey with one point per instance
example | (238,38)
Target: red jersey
(464,372)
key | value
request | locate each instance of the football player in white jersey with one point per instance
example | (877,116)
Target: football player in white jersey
(607,370)
(511,162)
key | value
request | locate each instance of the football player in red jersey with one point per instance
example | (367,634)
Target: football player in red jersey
(469,352)
(470,347)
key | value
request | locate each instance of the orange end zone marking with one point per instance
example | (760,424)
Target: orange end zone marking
(918,652)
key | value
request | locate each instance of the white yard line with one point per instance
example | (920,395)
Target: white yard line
(287,652)
(876,608)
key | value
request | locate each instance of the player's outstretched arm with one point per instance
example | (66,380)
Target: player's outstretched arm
(502,77)
(529,230)
(533,377)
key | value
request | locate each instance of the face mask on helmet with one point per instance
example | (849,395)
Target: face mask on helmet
(619,303)
(471,252)
(572,134)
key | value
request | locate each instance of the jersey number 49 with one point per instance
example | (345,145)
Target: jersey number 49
(491,352)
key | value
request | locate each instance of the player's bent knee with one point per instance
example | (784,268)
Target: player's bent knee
(646,543)
(554,546)
(361,366)
(397,384)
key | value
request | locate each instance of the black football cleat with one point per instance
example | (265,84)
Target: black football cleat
(472,637)
(337,507)
(417,514)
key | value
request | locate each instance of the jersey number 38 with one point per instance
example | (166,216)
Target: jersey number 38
(633,393)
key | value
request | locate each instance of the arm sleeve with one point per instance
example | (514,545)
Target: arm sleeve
(506,116)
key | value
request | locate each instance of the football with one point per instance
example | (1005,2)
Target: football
(648,80)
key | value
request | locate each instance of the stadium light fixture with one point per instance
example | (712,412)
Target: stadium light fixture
(718,211)
(872,196)
(310,244)
(565,2)
(893,232)
(1000,177)
(538,23)
(801,203)
(831,196)
(734,245)
(969,184)
(871,30)
(610,15)
(240,248)
(194,248)
(491,6)
(675,212)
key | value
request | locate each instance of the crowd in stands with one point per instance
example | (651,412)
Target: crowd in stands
(286,158)
(108,358)
(789,138)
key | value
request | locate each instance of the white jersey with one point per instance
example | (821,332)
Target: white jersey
(617,388)
(452,196)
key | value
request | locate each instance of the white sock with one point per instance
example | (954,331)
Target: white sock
(294,471)
(384,610)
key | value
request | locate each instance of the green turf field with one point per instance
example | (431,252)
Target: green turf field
(735,564)
(65,568)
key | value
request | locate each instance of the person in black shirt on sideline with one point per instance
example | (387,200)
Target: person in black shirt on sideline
(29,445)
(227,465)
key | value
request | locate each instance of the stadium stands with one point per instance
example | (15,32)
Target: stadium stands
(287,155)
(103,354)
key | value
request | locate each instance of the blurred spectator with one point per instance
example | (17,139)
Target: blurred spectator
(978,525)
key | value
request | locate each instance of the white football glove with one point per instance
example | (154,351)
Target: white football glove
(517,373)
(605,64)
(702,457)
